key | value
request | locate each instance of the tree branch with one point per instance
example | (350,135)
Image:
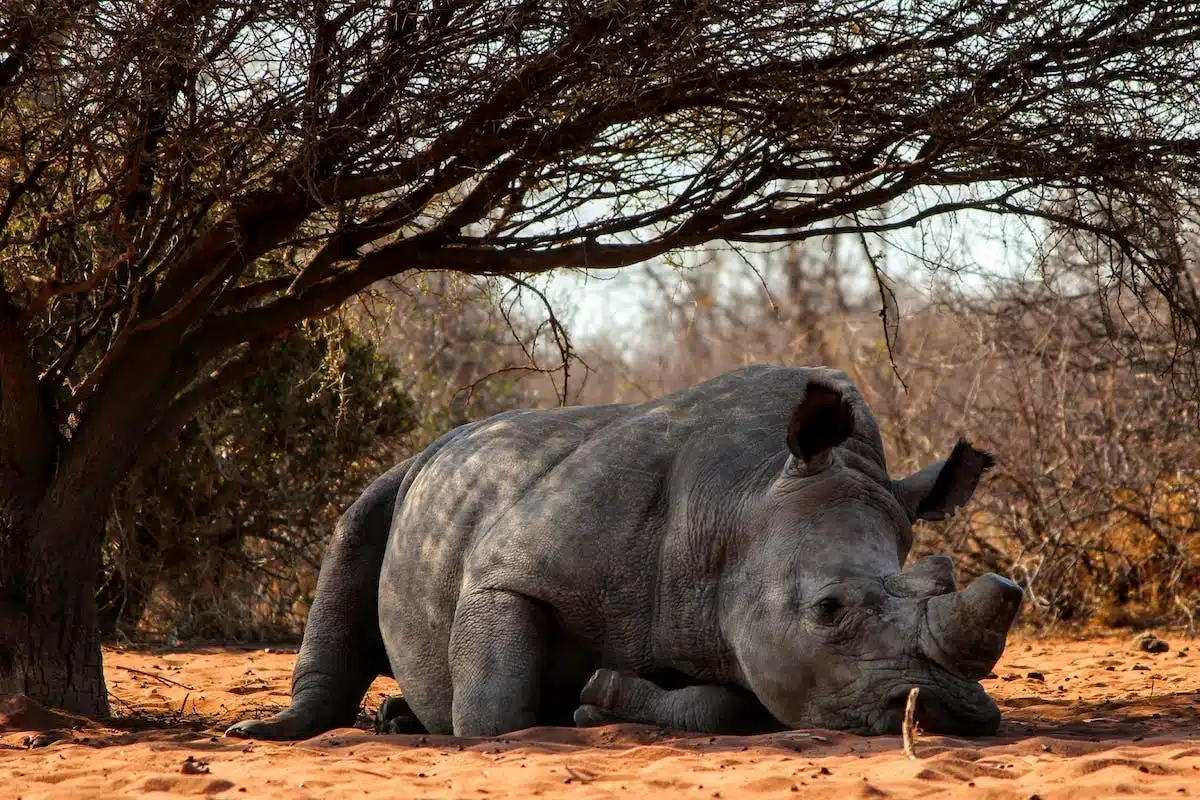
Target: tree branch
(163,436)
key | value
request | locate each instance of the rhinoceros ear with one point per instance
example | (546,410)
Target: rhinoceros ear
(936,491)
(822,421)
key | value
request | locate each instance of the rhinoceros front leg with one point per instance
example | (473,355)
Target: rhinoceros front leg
(498,647)
(619,697)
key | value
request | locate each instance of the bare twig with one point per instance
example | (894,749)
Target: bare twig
(160,678)
(908,731)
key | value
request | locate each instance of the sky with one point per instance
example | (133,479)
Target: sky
(981,246)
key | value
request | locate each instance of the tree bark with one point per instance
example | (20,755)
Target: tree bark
(54,492)
(49,634)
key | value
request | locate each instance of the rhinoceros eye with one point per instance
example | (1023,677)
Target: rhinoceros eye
(828,610)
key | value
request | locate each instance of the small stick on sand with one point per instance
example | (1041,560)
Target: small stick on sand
(576,775)
(166,681)
(908,731)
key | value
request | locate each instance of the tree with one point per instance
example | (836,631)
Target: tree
(186,180)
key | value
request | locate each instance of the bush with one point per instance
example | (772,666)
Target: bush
(223,538)
(1093,508)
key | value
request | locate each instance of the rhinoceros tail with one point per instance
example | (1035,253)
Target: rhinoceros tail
(342,651)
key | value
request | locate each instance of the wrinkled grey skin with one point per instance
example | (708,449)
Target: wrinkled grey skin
(723,559)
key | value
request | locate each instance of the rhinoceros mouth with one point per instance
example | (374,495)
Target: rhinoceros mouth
(946,704)
(961,711)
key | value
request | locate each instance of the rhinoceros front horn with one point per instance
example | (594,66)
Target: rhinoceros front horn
(965,631)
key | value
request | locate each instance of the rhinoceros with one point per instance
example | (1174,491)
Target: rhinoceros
(724,559)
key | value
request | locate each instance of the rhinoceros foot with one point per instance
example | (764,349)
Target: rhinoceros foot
(587,716)
(284,726)
(395,716)
(611,696)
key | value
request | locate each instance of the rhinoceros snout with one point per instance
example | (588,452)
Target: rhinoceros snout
(976,716)
(965,631)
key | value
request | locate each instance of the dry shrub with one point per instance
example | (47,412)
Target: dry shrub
(222,538)
(1093,506)
(464,347)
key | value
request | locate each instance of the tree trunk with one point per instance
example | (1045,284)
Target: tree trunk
(49,636)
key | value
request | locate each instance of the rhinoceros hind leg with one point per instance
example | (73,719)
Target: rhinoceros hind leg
(342,651)
(395,716)
(498,651)
(612,696)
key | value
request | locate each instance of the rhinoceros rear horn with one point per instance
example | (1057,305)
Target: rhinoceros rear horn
(822,421)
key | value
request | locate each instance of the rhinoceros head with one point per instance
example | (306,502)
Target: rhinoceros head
(828,630)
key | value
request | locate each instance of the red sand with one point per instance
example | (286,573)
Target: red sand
(1103,721)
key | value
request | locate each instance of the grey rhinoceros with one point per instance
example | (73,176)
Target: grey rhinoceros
(726,558)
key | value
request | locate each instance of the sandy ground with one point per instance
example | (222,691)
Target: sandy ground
(1090,718)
